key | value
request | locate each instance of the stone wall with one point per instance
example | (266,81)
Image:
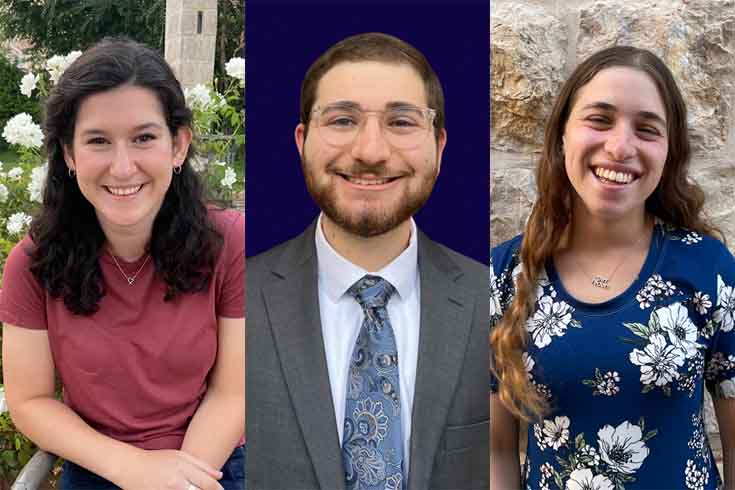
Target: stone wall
(190,51)
(535,44)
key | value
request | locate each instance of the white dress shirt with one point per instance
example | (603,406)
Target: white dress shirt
(341,318)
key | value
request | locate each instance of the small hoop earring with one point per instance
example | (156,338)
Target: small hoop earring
(177,169)
(72,173)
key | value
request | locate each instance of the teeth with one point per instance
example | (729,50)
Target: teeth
(367,181)
(611,175)
(124,191)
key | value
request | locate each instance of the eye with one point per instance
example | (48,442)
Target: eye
(598,120)
(97,140)
(145,138)
(650,131)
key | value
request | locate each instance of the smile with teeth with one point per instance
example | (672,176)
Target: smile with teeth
(124,191)
(367,181)
(611,176)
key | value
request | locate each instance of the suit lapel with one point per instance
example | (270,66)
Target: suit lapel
(446,316)
(292,303)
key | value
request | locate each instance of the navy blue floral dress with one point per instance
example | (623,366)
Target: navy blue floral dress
(625,378)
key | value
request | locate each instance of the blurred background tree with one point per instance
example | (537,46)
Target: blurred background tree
(60,26)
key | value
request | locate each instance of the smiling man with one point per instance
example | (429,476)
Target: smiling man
(367,341)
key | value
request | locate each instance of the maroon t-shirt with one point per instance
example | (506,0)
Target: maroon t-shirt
(137,369)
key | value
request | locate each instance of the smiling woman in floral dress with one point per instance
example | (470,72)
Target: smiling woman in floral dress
(128,288)
(616,307)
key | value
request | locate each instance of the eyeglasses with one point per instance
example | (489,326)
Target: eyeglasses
(404,127)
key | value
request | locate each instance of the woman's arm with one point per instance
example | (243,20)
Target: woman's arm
(505,467)
(725,411)
(28,371)
(219,422)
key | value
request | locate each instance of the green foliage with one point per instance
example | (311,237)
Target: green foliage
(61,26)
(12,102)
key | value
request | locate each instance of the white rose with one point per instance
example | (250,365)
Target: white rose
(229,178)
(236,68)
(198,97)
(28,84)
(38,182)
(17,222)
(15,173)
(21,130)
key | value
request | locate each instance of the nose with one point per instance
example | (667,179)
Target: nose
(370,145)
(123,163)
(621,145)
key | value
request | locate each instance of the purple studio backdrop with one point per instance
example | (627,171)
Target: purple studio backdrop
(283,38)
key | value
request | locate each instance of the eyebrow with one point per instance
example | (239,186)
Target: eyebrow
(392,105)
(611,108)
(140,127)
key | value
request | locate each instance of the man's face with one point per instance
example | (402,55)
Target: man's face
(369,187)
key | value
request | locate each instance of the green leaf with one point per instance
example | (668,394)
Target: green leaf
(638,329)
(649,434)
(579,441)
(647,388)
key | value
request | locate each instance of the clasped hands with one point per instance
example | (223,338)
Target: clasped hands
(169,469)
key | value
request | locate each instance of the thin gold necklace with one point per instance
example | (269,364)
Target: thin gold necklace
(603,282)
(130,279)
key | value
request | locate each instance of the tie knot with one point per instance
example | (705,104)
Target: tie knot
(371,291)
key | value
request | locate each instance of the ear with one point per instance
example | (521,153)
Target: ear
(182,141)
(69,157)
(441,143)
(299,135)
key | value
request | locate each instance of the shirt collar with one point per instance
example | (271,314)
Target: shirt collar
(337,274)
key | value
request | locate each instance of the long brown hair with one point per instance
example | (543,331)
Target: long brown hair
(676,200)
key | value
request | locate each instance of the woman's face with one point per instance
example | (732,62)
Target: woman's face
(124,155)
(615,143)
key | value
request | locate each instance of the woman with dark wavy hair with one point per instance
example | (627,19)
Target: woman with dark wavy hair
(128,288)
(616,307)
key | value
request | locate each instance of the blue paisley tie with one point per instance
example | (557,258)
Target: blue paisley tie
(372,446)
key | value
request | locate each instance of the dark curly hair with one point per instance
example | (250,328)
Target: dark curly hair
(67,236)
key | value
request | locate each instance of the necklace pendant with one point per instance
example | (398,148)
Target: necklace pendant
(600,282)
(131,280)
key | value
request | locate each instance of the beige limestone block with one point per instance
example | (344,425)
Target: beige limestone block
(717,179)
(527,54)
(696,40)
(512,193)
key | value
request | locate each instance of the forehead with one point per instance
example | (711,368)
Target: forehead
(131,105)
(371,84)
(627,89)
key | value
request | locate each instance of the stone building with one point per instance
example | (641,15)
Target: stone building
(535,44)
(191,35)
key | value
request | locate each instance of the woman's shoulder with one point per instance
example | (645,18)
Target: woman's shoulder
(504,255)
(225,219)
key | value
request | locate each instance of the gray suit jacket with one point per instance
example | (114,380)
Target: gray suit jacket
(291,428)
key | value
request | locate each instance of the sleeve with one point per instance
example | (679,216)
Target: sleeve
(501,291)
(23,299)
(231,293)
(720,357)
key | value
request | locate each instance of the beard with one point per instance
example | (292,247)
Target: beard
(370,219)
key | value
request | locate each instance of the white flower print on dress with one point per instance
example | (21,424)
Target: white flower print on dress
(727,388)
(696,478)
(604,384)
(674,320)
(495,308)
(701,302)
(691,238)
(725,311)
(655,286)
(585,480)
(550,320)
(622,447)
(529,363)
(556,433)
(538,434)
(658,361)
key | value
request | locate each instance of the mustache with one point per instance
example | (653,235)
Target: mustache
(360,168)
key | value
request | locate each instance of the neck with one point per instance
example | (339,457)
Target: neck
(126,246)
(370,253)
(588,232)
